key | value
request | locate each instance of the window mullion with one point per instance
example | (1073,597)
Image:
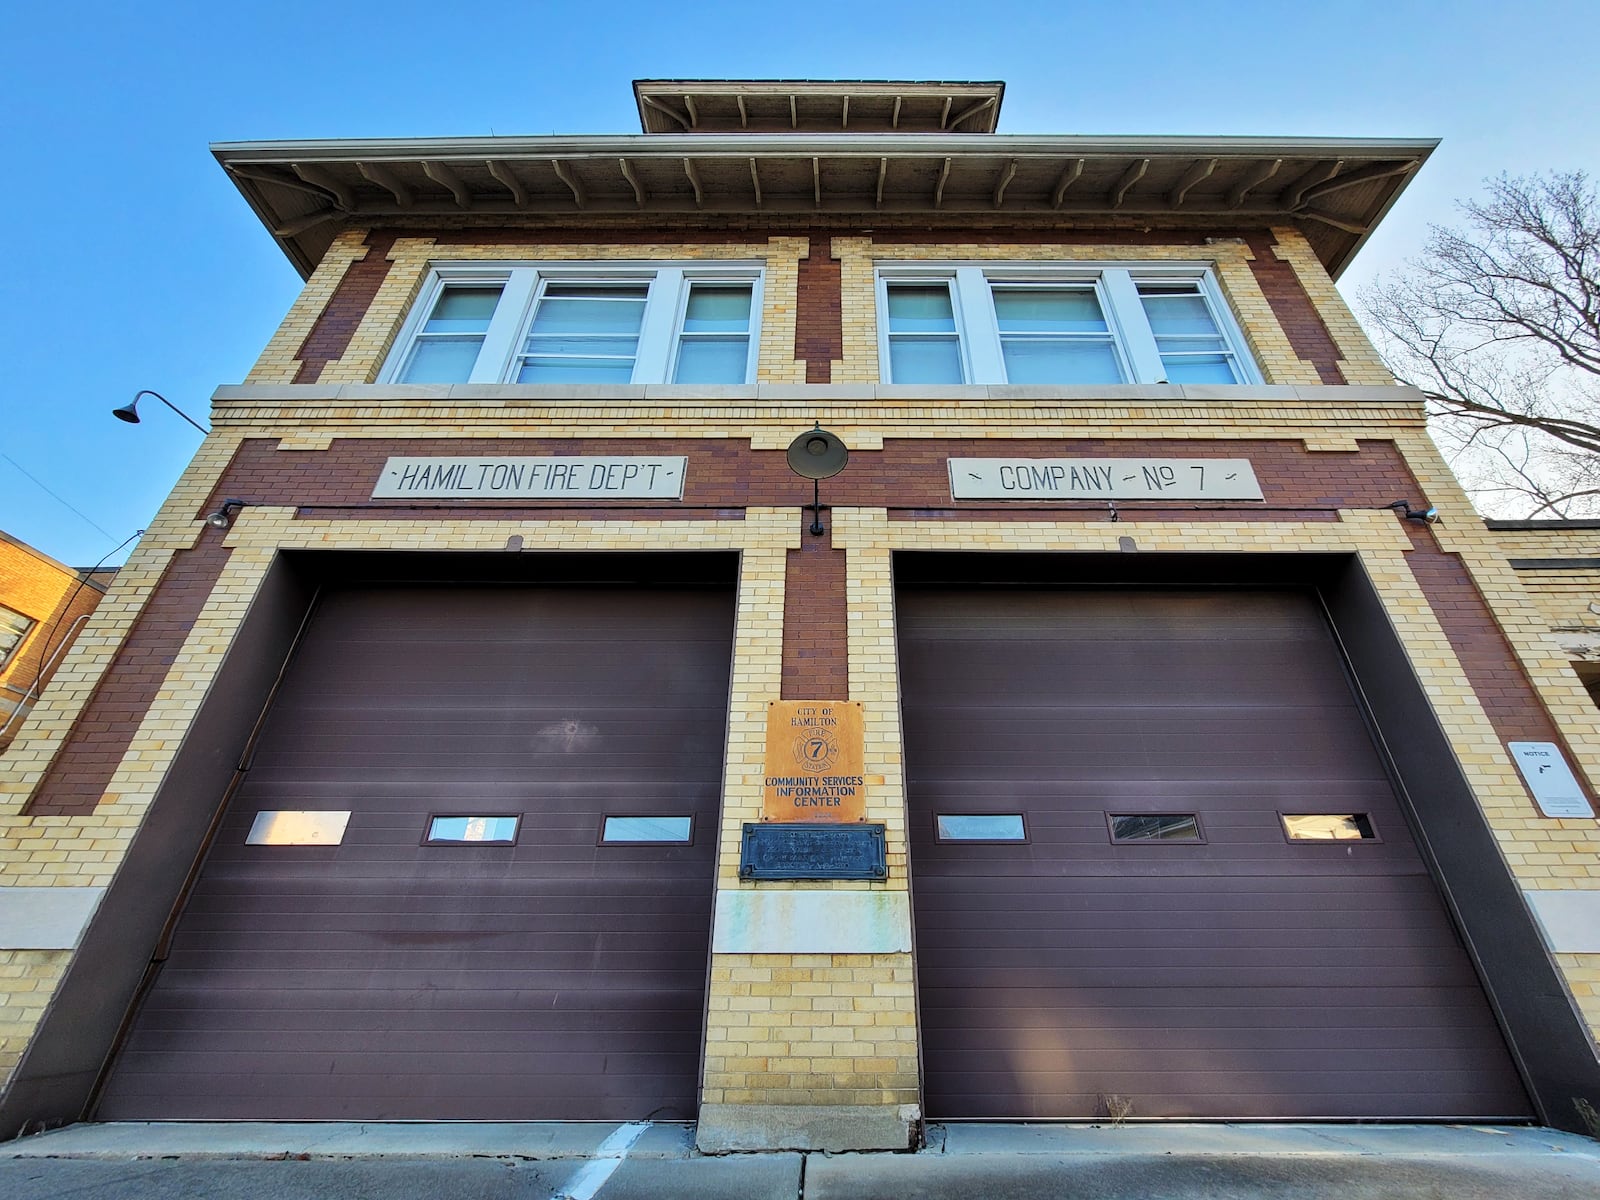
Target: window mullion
(980,337)
(1127,311)
(663,311)
(505,328)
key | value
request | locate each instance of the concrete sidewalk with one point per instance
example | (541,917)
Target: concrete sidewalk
(608,1162)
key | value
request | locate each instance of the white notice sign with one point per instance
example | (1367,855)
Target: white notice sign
(532,478)
(1550,779)
(1103,479)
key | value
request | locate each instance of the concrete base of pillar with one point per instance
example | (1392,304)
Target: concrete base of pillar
(829,1127)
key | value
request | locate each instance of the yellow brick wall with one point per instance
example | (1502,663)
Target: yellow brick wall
(278,363)
(1361,363)
(28,978)
(811,1029)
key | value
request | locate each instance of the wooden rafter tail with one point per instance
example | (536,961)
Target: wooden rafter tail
(1327,218)
(652,102)
(564,173)
(1006,176)
(1295,194)
(1361,175)
(441,174)
(1129,177)
(755,182)
(1263,172)
(1200,171)
(1068,178)
(389,182)
(944,177)
(321,177)
(693,173)
(628,173)
(506,178)
(883,174)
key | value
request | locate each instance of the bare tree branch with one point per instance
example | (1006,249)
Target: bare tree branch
(1498,323)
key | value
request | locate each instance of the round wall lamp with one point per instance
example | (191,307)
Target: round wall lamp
(224,516)
(817,455)
(1424,516)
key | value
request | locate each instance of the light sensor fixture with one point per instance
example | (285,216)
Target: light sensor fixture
(1425,516)
(224,516)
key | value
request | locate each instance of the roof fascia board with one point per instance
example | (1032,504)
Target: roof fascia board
(741,145)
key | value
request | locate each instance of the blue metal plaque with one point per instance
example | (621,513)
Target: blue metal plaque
(810,850)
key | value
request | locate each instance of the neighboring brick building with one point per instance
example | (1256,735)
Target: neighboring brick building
(435,785)
(43,605)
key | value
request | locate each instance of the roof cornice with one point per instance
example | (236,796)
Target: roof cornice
(1337,189)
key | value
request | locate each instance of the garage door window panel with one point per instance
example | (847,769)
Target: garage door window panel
(647,831)
(1159,828)
(980,827)
(1328,827)
(476,830)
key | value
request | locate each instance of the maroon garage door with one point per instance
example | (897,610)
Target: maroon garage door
(1159,870)
(390,976)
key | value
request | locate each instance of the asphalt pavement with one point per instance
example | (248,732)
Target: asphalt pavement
(258,1161)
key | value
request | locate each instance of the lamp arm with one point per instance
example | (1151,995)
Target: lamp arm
(173,407)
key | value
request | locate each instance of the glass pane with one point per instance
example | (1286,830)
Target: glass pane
(576,370)
(1178,314)
(1048,360)
(473,829)
(999,827)
(921,308)
(596,310)
(717,308)
(1155,827)
(442,360)
(463,310)
(646,829)
(1199,368)
(288,827)
(581,346)
(925,360)
(1328,827)
(1048,310)
(719,360)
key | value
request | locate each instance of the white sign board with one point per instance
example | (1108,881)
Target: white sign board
(1550,779)
(532,478)
(1103,479)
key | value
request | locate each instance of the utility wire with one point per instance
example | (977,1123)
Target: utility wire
(57,498)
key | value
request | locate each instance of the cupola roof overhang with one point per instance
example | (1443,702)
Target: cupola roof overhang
(1335,190)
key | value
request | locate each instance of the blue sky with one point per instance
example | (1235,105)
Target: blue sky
(135,264)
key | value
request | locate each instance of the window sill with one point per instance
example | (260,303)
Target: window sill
(239,398)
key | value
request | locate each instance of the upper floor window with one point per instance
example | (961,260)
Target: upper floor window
(14,629)
(1057,325)
(582,324)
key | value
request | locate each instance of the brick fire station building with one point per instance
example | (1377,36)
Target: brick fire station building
(417,765)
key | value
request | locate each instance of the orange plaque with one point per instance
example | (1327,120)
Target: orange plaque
(814,761)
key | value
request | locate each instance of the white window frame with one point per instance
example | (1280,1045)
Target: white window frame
(1115,285)
(523,284)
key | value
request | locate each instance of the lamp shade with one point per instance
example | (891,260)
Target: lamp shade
(817,454)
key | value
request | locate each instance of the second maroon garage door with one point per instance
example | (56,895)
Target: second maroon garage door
(495,971)
(1159,870)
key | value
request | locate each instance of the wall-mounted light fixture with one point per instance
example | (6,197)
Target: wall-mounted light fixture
(224,516)
(817,455)
(1427,516)
(129,412)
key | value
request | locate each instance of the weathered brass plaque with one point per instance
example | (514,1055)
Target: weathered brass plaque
(812,851)
(814,761)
